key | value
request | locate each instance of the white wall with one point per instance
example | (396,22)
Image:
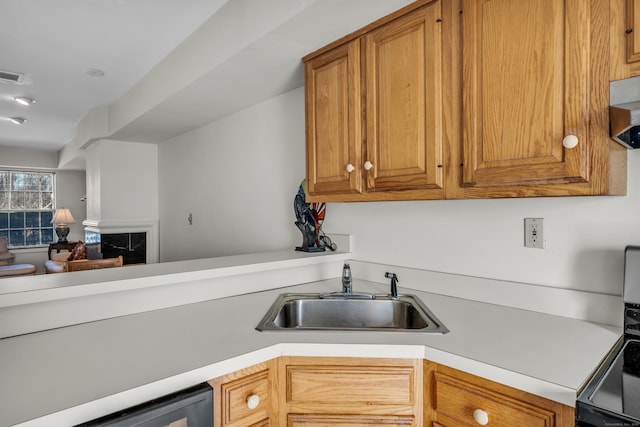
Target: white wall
(70,188)
(237,177)
(14,157)
(122,181)
(585,236)
(93,173)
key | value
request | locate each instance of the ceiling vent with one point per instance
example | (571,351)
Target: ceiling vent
(8,76)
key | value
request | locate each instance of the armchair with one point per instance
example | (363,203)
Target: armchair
(6,257)
(76,260)
(94,264)
(57,263)
(8,268)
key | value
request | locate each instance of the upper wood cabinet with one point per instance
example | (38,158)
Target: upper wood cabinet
(373,111)
(624,53)
(632,30)
(465,99)
(535,72)
(519,104)
(403,103)
(333,117)
(526,77)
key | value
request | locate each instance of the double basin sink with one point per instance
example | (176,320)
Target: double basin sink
(350,312)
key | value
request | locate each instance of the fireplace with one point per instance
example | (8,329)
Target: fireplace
(132,246)
(135,240)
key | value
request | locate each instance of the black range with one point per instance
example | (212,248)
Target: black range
(612,396)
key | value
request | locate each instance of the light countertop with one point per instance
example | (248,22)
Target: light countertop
(69,375)
(34,303)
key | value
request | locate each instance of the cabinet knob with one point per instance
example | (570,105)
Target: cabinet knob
(481,417)
(253,401)
(368,165)
(570,141)
(350,168)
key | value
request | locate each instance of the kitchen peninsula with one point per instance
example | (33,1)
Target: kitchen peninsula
(71,374)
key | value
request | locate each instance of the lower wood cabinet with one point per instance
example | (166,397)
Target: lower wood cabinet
(350,392)
(245,398)
(459,399)
(359,392)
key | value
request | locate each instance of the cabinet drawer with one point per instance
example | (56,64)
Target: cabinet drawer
(456,401)
(235,395)
(368,385)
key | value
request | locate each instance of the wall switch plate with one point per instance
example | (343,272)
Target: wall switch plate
(533,233)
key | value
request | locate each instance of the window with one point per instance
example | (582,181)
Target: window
(27,204)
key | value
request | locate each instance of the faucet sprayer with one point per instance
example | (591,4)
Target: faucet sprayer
(394,283)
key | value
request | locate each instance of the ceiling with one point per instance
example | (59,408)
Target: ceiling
(169,65)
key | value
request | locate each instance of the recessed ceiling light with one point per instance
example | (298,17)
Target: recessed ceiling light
(94,72)
(23,100)
(17,120)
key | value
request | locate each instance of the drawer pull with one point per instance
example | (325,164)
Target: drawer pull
(481,417)
(253,401)
(570,141)
(368,165)
(350,168)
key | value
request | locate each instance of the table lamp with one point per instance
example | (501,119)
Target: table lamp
(61,218)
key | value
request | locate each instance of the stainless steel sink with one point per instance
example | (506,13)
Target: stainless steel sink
(303,312)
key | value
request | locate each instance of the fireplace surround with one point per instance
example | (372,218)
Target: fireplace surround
(136,241)
(132,246)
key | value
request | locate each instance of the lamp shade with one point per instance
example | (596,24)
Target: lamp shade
(63,216)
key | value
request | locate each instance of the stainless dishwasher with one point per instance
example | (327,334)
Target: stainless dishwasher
(191,407)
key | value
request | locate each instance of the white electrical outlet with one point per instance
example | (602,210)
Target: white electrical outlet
(533,233)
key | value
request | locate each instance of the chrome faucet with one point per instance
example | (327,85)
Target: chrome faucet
(394,283)
(347,287)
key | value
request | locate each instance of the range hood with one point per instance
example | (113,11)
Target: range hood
(625,123)
(624,111)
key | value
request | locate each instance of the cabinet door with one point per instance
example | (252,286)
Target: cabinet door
(633,30)
(231,395)
(333,121)
(350,391)
(457,402)
(404,102)
(525,87)
(461,397)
